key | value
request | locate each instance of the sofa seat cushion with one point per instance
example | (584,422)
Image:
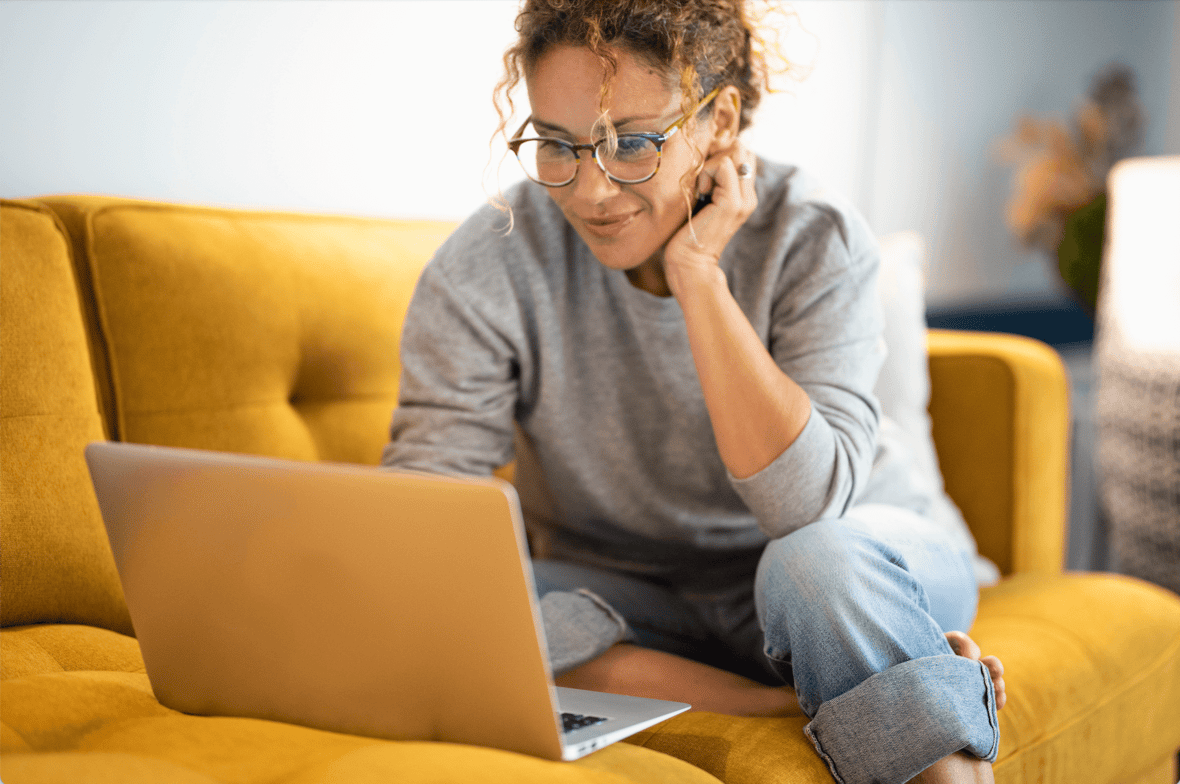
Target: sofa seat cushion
(50,648)
(78,707)
(258,332)
(84,726)
(1085,656)
(373,762)
(55,561)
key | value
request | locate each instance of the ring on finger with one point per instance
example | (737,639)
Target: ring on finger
(745,171)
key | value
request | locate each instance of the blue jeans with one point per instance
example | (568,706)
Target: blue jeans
(850,611)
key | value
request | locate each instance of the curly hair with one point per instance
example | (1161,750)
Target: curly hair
(699,44)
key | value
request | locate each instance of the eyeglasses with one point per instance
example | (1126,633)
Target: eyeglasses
(632,159)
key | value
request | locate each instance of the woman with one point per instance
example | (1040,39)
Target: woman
(715,505)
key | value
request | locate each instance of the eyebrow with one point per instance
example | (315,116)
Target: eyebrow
(541,124)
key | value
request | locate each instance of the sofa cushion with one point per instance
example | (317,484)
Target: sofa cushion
(267,333)
(903,386)
(54,647)
(104,726)
(55,563)
(1085,656)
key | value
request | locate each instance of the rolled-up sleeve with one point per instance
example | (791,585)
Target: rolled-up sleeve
(825,333)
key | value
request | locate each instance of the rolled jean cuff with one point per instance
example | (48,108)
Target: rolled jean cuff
(901,721)
(579,626)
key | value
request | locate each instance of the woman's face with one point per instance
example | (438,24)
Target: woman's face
(624,225)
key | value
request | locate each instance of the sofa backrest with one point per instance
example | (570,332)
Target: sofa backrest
(264,333)
(277,334)
(1000,410)
(240,331)
(55,564)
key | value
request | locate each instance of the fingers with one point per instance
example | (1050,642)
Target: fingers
(704,183)
(709,228)
(728,177)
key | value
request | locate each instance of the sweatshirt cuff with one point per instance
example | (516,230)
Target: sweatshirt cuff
(800,486)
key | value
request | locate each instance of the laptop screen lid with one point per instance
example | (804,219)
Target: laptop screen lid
(342,597)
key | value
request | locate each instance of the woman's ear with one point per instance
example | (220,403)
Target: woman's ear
(727,117)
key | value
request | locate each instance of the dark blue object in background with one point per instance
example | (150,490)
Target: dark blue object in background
(1058,322)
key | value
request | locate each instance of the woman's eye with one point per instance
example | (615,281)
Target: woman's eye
(552,150)
(634,147)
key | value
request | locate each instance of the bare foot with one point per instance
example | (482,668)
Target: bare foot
(642,672)
(960,768)
(964,646)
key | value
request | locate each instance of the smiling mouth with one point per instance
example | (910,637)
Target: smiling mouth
(609,226)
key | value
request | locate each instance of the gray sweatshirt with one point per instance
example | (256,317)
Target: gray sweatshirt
(522,345)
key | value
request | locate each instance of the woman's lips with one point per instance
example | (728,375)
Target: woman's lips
(609,226)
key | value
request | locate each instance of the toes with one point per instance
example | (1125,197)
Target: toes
(1001,694)
(963,645)
(995,669)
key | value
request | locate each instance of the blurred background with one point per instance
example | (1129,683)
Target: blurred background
(384,109)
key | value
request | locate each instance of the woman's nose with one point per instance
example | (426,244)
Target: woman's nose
(592,184)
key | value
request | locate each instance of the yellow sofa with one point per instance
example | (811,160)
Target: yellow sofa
(277,334)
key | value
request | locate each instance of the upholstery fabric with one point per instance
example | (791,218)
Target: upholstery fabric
(55,561)
(1001,401)
(1084,656)
(267,333)
(54,648)
(78,707)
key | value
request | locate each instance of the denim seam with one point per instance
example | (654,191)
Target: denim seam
(992,718)
(823,755)
(775,657)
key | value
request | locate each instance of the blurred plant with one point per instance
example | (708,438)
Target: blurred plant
(1058,203)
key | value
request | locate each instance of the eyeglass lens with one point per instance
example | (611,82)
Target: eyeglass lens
(633,158)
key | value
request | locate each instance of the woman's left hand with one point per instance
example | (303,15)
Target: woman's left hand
(697,245)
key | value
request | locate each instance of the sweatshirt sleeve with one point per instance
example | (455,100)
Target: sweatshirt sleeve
(826,335)
(459,383)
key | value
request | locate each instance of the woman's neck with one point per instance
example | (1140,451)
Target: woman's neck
(649,276)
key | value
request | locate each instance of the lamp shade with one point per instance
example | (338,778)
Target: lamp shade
(1137,359)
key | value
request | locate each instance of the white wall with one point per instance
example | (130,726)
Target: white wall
(383,108)
(344,107)
(359,107)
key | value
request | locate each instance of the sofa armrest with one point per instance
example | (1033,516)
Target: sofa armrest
(1000,411)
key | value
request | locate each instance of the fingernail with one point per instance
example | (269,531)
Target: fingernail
(704,183)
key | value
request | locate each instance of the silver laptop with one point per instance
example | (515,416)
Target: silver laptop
(343,597)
